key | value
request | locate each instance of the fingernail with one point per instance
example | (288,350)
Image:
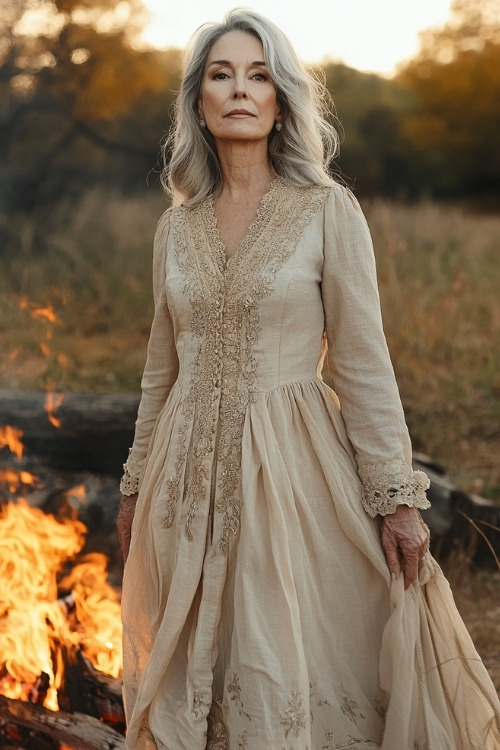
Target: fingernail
(393,576)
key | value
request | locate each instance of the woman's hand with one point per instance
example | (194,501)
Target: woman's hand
(124,522)
(405,539)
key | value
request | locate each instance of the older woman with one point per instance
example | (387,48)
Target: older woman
(278,592)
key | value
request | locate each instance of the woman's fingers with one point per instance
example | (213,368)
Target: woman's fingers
(410,553)
(390,545)
(124,522)
(405,539)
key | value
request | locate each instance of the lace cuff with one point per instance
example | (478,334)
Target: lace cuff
(385,486)
(129,483)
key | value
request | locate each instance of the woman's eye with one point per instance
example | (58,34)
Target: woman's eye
(220,76)
(260,77)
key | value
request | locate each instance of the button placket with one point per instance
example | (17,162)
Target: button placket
(225,327)
(217,395)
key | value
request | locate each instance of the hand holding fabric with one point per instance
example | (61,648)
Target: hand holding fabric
(405,539)
(124,522)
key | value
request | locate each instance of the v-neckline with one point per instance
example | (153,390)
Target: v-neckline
(253,232)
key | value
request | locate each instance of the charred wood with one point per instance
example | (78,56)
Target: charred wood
(88,691)
(28,726)
(459,522)
(95,433)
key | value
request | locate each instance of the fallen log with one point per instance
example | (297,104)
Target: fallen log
(31,727)
(459,522)
(86,690)
(95,432)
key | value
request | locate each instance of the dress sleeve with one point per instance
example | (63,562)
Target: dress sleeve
(161,368)
(360,364)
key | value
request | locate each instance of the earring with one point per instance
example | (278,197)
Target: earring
(278,126)
(203,124)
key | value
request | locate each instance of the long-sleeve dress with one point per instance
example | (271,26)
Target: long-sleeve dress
(258,609)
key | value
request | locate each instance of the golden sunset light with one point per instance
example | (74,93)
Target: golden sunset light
(365,34)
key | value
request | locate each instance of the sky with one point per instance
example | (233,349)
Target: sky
(370,35)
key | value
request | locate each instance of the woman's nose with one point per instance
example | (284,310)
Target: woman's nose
(240,88)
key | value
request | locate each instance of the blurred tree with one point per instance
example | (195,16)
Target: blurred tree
(455,80)
(71,73)
(375,156)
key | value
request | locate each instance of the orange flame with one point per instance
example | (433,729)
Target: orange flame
(79,492)
(53,401)
(15,480)
(63,360)
(10,437)
(97,610)
(39,313)
(35,626)
(45,313)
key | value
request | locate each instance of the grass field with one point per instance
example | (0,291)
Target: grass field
(439,280)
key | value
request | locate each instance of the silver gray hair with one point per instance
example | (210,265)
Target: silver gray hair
(301,152)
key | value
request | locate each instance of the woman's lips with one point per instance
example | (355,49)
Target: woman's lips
(238,112)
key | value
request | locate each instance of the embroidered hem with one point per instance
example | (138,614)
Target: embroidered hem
(385,486)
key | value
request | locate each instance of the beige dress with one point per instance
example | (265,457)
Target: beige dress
(258,609)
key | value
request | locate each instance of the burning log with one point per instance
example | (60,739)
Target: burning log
(32,727)
(38,693)
(58,612)
(93,432)
(86,690)
(11,438)
(60,629)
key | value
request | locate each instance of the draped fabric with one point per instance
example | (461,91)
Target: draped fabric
(258,609)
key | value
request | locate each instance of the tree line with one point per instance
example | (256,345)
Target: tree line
(82,104)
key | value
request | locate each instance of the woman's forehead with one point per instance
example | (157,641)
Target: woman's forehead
(235,46)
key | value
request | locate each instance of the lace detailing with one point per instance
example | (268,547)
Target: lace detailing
(217,737)
(217,734)
(129,483)
(349,706)
(297,715)
(385,486)
(234,693)
(225,296)
(350,744)
(202,700)
(293,720)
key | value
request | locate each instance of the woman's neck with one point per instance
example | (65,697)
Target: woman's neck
(244,170)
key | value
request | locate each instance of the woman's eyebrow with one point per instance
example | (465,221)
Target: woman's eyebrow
(228,62)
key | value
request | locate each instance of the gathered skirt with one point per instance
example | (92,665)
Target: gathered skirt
(295,638)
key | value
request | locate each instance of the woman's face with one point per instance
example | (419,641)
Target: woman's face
(238,98)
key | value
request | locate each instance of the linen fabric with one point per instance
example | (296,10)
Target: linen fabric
(258,609)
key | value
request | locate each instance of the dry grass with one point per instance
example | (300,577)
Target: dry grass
(477,595)
(94,274)
(439,280)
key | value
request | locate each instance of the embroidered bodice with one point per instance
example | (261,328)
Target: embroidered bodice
(230,335)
